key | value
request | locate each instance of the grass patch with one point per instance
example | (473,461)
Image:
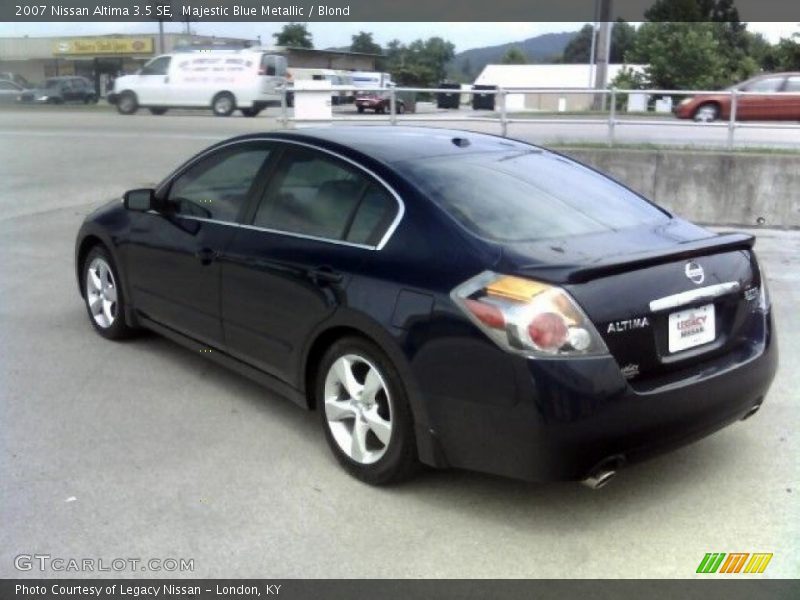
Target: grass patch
(672,148)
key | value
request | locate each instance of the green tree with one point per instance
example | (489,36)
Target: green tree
(578,50)
(363,42)
(680,55)
(735,43)
(514,56)
(421,63)
(785,55)
(294,35)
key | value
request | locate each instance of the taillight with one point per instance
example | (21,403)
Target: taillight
(528,317)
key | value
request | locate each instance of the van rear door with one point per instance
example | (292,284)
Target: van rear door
(271,74)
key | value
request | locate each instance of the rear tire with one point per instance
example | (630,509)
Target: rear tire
(249,112)
(157,111)
(127,104)
(401,108)
(360,109)
(103,296)
(365,413)
(223,104)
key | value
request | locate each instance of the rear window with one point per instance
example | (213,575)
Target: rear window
(528,195)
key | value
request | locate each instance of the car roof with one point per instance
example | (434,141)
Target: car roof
(390,144)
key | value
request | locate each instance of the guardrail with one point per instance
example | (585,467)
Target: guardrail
(603,97)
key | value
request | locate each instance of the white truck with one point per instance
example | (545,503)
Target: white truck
(223,80)
(371,79)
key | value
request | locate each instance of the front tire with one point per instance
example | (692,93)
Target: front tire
(127,104)
(223,104)
(364,409)
(706,113)
(158,111)
(103,295)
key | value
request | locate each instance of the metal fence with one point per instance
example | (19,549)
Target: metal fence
(607,98)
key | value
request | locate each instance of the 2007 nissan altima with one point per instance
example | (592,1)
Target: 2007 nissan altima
(442,297)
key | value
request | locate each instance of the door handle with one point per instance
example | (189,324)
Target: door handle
(325,275)
(206,255)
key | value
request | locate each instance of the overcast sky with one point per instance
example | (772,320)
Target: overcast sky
(325,35)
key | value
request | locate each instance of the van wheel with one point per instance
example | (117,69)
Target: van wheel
(127,103)
(157,111)
(250,112)
(223,104)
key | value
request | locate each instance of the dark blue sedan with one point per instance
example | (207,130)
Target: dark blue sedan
(442,297)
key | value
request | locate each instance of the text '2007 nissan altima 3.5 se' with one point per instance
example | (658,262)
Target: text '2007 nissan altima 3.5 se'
(442,297)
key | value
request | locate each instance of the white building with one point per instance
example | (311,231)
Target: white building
(558,76)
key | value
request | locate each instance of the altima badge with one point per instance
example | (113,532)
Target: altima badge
(627,325)
(695,272)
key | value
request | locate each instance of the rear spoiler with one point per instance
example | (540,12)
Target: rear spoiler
(724,242)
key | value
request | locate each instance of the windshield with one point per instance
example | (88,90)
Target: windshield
(528,195)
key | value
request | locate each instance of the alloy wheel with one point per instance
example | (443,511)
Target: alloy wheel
(358,408)
(101,293)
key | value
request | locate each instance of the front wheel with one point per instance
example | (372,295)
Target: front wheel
(223,104)
(706,113)
(365,412)
(103,296)
(158,111)
(127,103)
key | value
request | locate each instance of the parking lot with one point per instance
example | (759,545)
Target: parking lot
(143,449)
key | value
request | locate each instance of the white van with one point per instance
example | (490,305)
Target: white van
(222,80)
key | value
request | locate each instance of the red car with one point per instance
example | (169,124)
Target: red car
(379,102)
(776,103)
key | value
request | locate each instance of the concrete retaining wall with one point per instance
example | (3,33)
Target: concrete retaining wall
(708,187)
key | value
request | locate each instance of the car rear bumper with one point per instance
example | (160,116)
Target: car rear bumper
(567,417)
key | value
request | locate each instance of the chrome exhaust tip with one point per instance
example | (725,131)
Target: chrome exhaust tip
(753,410)
(599,478)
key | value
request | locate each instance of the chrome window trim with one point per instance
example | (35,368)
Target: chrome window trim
(708,292)
(401,207)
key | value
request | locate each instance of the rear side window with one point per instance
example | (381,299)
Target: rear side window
(273,65)
(316,195)
(526,195)
(793,84)
(217,186)
(768,84)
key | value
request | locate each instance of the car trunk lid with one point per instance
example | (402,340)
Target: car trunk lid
(688,296)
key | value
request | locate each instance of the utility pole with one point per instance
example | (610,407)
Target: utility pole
(592,54)
(603,51)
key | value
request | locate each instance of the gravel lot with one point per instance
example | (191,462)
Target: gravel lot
(145,450)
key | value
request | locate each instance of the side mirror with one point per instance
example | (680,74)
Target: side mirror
(141,199)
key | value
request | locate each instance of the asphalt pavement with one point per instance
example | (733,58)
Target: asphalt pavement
(145,450)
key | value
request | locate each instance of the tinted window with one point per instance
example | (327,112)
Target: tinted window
(768,84)
(316,195)
(528,195)
(217,187)
(157,66)
(792,84)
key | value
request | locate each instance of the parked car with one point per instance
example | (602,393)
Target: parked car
(779,99)
(15,78)
(10,91)
(222,80)
(380,102)
(441,296)
(59,90)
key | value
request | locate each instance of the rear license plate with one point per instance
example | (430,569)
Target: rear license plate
(692,327)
